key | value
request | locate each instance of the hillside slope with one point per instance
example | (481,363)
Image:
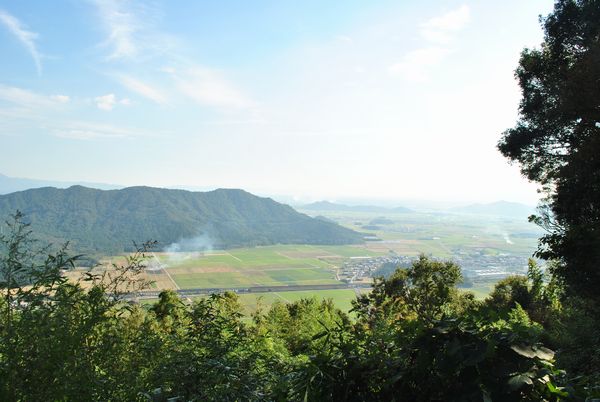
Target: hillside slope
(109,221)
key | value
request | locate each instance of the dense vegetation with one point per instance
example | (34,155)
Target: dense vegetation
(108,221)
(557,139)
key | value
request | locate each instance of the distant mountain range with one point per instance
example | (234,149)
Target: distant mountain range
(330,206)
(11,184)
(98,221)
(500,208)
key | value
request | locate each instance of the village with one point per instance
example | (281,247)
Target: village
(474,265)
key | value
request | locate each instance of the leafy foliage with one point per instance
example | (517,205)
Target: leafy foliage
(426,289)
(557,139)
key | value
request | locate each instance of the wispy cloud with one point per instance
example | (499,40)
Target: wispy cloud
(106,102)
(142,88)
(442,29)
(26,37)
(61,98)
(109,101)
(439,32)
(415,64)
(24,97)
(122,27)
(92,131)
(209,87)
(133,35)
(131,30)
(51,113)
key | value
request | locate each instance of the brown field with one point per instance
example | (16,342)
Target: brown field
(159,281)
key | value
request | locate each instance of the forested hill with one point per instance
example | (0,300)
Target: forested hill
(99,221)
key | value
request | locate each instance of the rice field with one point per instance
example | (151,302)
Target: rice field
(342,298)
(279,265)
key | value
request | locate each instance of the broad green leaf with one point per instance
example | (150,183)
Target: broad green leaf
(533,351)
(518,381)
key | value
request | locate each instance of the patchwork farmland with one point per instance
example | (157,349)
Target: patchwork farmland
(289,265)
(288,272)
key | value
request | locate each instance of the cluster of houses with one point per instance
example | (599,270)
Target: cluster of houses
(474,265)
(360,269)
(491,266)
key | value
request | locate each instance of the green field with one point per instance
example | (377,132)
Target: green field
(481,290)
(259,266)
(269,277)
(251,302)
(341,297)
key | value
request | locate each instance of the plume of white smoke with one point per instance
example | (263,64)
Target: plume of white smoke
(496,229)
(153,265)
(189,248)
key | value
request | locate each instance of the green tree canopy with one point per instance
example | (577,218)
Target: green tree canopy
(556,140)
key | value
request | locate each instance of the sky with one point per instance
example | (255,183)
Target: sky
(311,99)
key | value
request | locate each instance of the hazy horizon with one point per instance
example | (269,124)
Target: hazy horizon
(413,203)
(335,101)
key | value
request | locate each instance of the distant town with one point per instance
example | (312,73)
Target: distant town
(476,266)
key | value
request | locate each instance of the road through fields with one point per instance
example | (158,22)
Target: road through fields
(254,289)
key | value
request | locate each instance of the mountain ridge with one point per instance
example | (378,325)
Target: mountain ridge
(14,184)
(331,206)
(108,221)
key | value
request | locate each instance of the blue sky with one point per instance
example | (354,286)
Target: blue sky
(313,99)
